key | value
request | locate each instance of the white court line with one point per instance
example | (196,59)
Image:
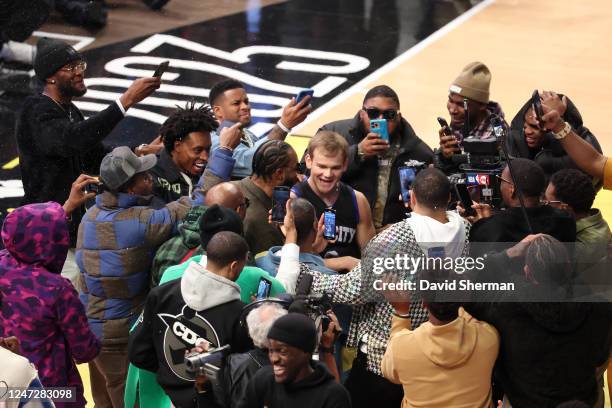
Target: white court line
(400,59)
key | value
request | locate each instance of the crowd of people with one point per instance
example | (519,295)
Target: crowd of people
(161,267)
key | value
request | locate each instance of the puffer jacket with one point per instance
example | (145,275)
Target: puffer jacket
(117,240)
(550,156)
(39,306)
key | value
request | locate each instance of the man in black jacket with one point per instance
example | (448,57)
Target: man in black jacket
(203,305)
(55,142)
(373,163)
(510,226)
(529,141)
(294,379)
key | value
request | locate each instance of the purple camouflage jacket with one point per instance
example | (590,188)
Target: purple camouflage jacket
(38,305)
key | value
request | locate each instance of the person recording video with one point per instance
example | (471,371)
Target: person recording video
(471,112)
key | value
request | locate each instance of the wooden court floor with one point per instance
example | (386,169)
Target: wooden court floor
(556,45)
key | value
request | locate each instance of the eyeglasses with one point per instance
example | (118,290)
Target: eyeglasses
(500,178)
(80,66)
(374,113)
(245,204)
(549,202)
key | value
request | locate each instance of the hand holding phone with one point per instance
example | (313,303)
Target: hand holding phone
(302,94)
(329,220)
(465,198)
(406,175)
(379,126)
(537,108)
(280,196)
(444,125)
(263,288)
(161,68)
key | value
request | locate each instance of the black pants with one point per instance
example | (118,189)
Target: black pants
(370,390)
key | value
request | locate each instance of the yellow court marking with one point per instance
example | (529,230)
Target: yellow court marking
(12,164)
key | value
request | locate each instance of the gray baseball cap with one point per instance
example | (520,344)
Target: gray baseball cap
(120,165)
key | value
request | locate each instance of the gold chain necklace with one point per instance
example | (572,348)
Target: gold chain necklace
(68,112)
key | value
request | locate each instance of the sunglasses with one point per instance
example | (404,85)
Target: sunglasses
(81,66)
(375,113)
(500,178)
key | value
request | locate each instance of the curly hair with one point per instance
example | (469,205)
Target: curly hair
(186,120)
(574,188)
(269,157)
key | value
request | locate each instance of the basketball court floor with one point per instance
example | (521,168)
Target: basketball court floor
(340,48)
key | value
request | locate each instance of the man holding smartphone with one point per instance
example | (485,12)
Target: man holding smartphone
(471,112)
(231,105)
(373,162)
(56,143)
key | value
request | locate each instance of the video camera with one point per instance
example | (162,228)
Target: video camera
(314,306)
(194,361)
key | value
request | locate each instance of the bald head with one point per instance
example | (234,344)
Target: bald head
(226,195)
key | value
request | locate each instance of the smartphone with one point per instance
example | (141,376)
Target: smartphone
(465,198)
(303,93)
(444,125)
(95,188)
(263,289)
(537,107)
(161,68)
(379,126)
(329,220)
(406,175)
(280,195)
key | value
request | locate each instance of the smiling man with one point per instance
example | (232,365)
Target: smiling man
(186,137)
(231,105)
(294,379)
(56,143)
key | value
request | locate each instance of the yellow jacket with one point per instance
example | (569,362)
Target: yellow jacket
(442,366)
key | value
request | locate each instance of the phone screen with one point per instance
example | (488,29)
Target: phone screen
(406,175)
(280,195)
(329,219)
(263,290)
(379,126)
(465,198)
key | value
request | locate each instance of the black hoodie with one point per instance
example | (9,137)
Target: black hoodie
(550,156)
(318,390)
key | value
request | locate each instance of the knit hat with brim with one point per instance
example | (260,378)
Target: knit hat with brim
(295,329)
(473,82)
(51,55)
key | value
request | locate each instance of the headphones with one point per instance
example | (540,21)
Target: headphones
(285,302)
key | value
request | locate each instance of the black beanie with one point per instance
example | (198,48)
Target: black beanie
(51,55)
(295,329)
(216,219)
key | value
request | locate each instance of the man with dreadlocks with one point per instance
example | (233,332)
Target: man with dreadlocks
(186,137)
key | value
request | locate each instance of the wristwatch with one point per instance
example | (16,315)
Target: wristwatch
(138,149)
(563,132)
(360,153)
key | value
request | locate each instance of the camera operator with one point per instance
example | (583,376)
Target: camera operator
(240,368)
(431,227)
(528,140)
(293,379)
(471,112)
(203,305)
(510,225)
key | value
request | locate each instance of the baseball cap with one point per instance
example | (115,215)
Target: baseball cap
(120,165)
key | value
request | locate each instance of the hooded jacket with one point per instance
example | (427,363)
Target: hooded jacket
(271,261)
(177,314)
(424,359)
(550,156)
(318,390)
(39,306)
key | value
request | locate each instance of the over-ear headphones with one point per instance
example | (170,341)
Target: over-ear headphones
(284,301)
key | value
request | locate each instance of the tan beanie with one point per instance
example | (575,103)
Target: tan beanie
(473,82)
